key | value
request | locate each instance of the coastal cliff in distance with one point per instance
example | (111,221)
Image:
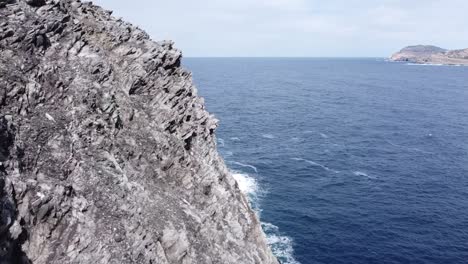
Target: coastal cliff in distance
(107,154)
(425,54)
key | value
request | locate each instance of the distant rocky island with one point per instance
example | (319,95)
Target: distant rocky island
(426,54)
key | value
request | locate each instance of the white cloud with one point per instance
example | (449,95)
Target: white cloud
(298,27)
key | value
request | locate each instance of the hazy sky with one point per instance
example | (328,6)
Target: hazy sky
(315,28)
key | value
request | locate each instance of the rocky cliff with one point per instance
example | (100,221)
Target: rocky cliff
(107,154)
(425,54)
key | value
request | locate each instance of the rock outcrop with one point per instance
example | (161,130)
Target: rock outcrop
(107,154)
(431,55)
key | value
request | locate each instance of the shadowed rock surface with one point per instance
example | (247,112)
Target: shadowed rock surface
(426,54)
(107,155)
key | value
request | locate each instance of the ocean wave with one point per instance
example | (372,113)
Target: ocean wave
(435,64)
(268,136)
(281,245)
(247,184)
(235,139)
(360,173)
(410,148)
(421,151)
(245,165)
(424,64)
(323,135)
(363,174)
(313,163)
(221,142)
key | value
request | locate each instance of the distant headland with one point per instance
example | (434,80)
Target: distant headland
(426,54)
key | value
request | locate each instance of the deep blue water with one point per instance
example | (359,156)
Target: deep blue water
(356,160)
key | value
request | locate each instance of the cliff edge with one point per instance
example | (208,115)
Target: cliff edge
(107,154)
(426,54)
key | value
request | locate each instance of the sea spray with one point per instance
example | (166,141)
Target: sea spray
(281,245)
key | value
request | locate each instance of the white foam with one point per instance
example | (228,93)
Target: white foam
(360,173)
(422,151)
(393,144)
(313,163)
(281,246)
(246,165)
(235,139)
(247,184)
(436,64)
(409,148)
(323,135)
(269,136)
(425,64)
(363,174)
(221,142)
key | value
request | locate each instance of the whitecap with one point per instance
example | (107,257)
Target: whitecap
(323,135)
(269,136)
(425,64)
(393,144)
(281,245)
(246,165)
(360,173)
(235,139)
(363,174)
(422,151)
(436,64)
(409,148)
(313,163)
(221,142)
(247,184)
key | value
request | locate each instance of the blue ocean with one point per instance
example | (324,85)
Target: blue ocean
(346,160)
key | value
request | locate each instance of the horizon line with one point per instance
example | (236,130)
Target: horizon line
(285,57)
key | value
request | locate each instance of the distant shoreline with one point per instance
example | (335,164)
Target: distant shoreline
(427,55)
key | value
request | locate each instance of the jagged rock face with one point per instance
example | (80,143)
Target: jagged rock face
(107,155)
(426,54)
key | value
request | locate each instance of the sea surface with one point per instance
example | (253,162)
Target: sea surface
(346,160)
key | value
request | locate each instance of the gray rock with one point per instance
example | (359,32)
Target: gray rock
(107,154)
(35,3)
(3,3)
